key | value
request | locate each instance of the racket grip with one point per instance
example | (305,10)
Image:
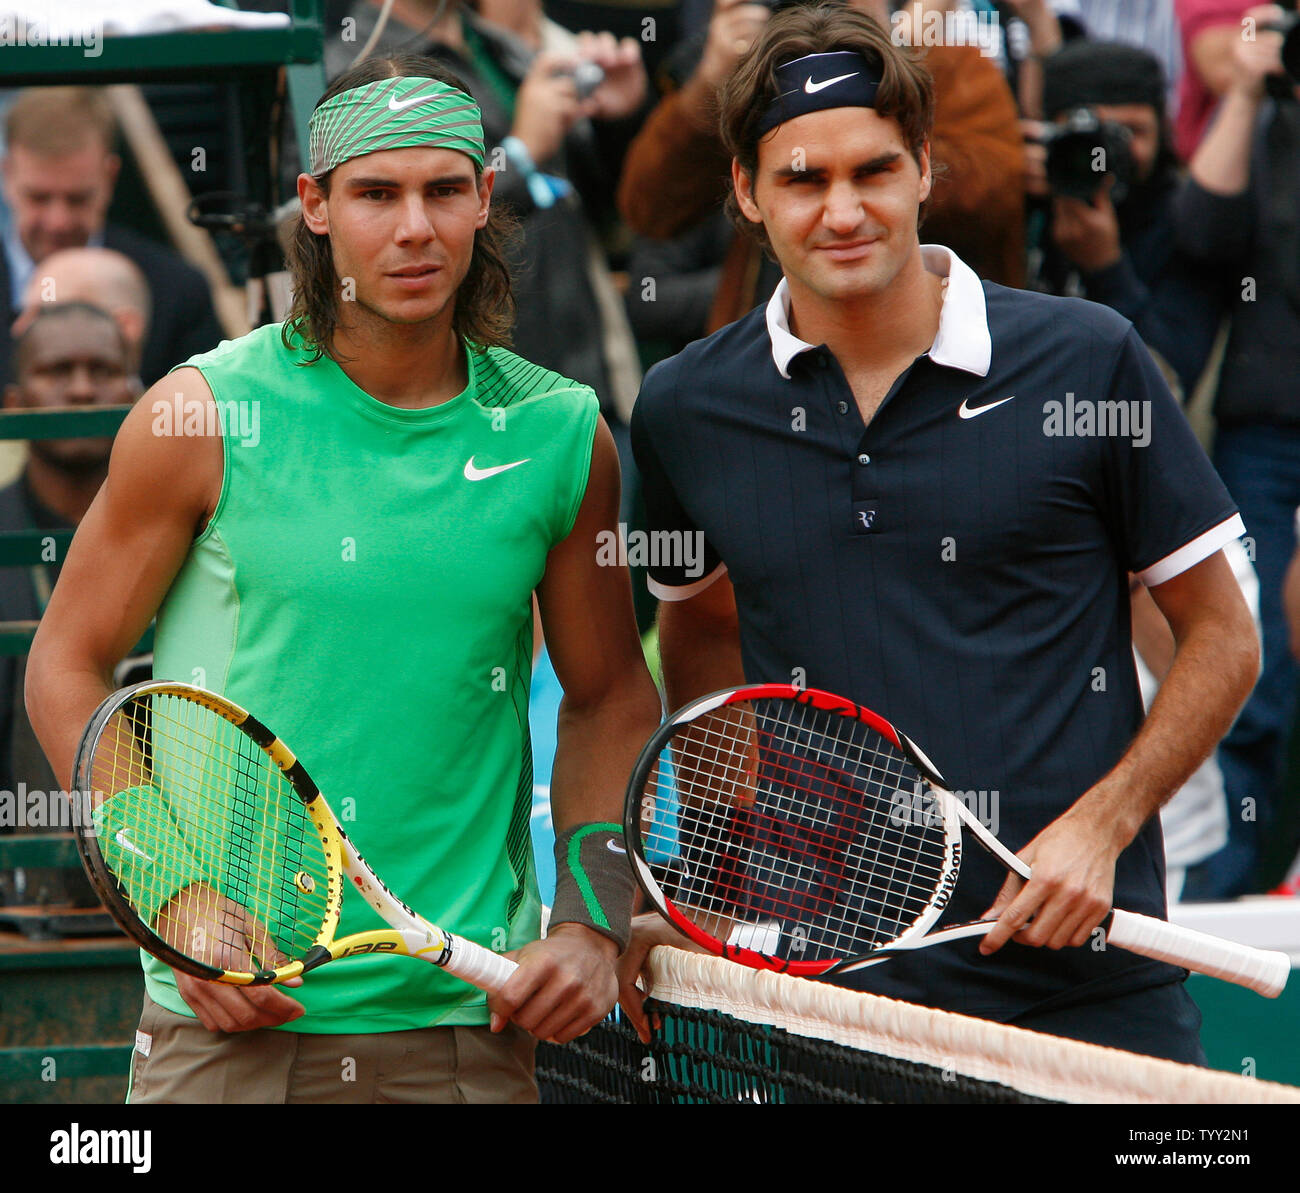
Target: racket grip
(1261,970)
(478,966)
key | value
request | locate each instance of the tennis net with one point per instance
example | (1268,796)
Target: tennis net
(729,1034)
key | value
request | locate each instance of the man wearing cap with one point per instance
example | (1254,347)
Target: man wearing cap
(353,555)
(905,496)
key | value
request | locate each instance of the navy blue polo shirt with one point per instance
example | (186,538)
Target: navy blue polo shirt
(960,565)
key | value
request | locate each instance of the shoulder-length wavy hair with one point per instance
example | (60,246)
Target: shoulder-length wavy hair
(485,308)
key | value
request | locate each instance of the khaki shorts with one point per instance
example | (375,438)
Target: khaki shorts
(177,1059)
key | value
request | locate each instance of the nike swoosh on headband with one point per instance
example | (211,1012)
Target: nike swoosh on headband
(812,88)
(400,105)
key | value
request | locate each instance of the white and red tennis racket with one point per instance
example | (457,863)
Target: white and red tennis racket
(794,830)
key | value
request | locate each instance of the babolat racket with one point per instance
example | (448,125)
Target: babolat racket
(210,844)
(793,830)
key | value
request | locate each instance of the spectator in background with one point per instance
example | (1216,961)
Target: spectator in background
(1240,212)
(655,24)
(73,354)
(1045,29)
(59,174)
(1209,29)
(104,278)
(677,172)
(1151,25)
(671,284)
(1122,253)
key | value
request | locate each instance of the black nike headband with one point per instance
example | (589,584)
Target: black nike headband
(840,79)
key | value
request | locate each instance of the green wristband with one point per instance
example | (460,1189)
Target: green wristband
(593,881)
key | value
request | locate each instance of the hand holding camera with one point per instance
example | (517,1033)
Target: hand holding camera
(609,75)
(1088,232)
(1269,47)
(546,106)
(1086,165)
(733,28)
(604,79)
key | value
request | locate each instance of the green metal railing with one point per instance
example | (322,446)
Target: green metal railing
(253,57)
(170,57)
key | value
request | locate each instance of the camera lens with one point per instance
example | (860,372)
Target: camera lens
(587,76)
(1082,150)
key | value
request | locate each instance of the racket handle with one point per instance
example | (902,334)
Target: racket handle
(1261,970)
(478,966)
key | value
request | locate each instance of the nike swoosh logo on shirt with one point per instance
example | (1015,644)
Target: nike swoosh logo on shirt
(812,88)
(614,847)
(121,838)
(479,474)
(400,105)
(968,411)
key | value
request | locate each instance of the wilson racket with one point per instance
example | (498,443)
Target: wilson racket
(210,844)
(793,830)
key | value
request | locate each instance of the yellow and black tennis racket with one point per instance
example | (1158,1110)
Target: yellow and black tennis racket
(210,844)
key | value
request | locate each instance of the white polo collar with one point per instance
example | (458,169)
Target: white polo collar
(963,341)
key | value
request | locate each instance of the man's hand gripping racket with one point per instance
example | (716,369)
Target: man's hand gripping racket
(793,830)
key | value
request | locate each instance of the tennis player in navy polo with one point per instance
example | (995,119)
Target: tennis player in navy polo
(928,493)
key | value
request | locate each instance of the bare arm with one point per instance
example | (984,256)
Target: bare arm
(1151,634)
(1044,40)
(676,170)
(1210,53)
(125,554)
(1221,163)
(127,551)
(566,983)
(1215,665)
(610,704)
(699,644)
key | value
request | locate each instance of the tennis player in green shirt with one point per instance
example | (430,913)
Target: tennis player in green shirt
(340,523)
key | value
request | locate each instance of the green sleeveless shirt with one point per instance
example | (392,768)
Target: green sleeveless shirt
(364,588)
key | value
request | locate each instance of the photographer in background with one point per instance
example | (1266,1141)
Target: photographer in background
(1239,212)
(1106,176)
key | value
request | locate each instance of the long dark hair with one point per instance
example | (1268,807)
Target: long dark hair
(485,307)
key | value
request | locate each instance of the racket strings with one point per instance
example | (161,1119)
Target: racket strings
(779,825)
(206,838)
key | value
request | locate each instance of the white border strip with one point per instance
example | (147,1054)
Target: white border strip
(1190,554)
(686,591)
(1045,1066)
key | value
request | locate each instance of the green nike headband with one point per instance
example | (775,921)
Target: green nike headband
(394,114)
